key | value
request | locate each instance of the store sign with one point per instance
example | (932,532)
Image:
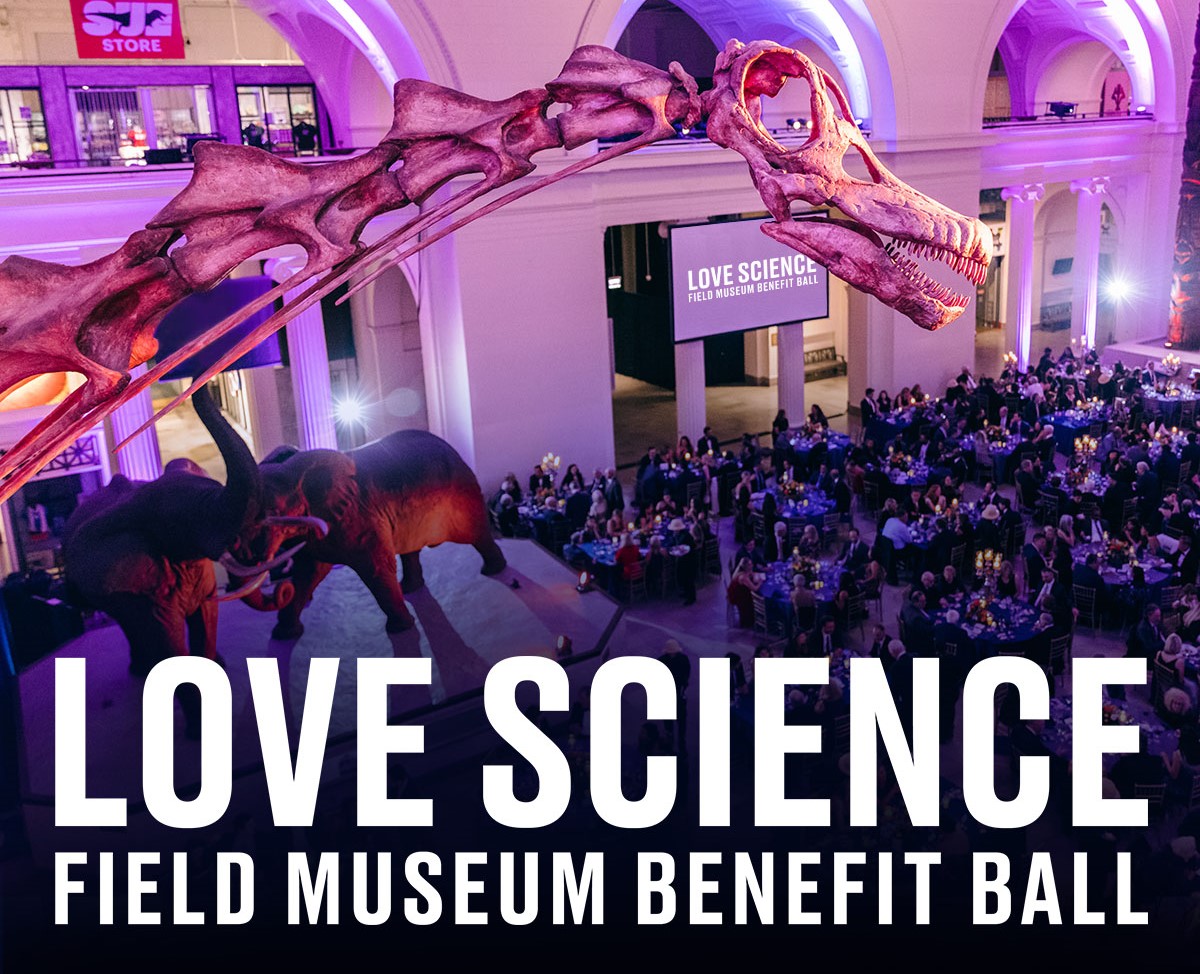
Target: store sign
(127,28)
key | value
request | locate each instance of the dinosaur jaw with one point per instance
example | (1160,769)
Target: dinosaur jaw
(890,271)
(890,227)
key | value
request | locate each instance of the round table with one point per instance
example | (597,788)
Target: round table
(838,444)
(809,508)
(1069,424)
(1014,627)
(1118,578)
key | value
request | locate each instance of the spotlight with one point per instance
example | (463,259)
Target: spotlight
(1117,289)
(808,124)
(1061,109)
(349,410)
(614,282)
(585,583)
(1141,109)
(563,649)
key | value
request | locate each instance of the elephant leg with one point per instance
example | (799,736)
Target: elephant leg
(307,576)
(494,561)
(414,575)
(202,631)
(155,630)
(379,575)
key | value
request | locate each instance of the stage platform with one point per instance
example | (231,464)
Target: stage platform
(465,622)
(1135,355)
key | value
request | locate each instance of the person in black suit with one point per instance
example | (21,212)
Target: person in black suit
(842,496)
(948,586)
(1191,452)
(1027,484)
(1047,588)
(1087,575)
(949,631)
(1034,554)
(614,494)
(937,556)
(1142,768)
(918,626)
(855,552)
(868,408)
(708,443)
(1149,636)
(827,640)
(540,480)
(1187,561)
(1181,519)
(900,679)
(1149,491)
(879,646)
(750,550)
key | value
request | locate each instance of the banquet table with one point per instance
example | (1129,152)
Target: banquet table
(1093,485)
(1057,732)
(810,508)
(1015,628)
(883,429)
(924,528)
(674,479)
(801,445)
(901,481)
(777,589)
(1002,453)
(1166,407)
(1118,579)
(538,523)
(1072,423)
(601,557)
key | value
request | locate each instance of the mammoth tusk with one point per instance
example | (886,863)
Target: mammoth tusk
(316,523)
(255,583)
(234,567)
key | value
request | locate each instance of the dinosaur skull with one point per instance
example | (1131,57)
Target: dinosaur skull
(890,227)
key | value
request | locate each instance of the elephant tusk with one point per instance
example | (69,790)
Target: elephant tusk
(315,523)
(235,567)
(255,583)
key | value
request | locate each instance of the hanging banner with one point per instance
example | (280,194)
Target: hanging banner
(127,29)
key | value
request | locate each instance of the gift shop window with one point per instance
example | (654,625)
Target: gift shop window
(281,118)
(22,127)
(139,126)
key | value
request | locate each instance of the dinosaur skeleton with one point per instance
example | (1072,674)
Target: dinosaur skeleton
(98,319)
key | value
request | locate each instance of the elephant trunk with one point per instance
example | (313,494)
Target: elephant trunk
(240,498)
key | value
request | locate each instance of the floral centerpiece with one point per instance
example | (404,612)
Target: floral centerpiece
(1112,714)
(897,460)
(978,612)
(792,489)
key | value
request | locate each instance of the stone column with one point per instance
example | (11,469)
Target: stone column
(1085,271)
(139,459)
(1022,202)
(791,371)
(309,363)
(691,410)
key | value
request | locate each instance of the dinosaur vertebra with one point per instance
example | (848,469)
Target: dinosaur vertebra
(98,319)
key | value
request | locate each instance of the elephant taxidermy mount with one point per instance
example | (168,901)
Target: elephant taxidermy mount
(143,553)
(99,319)
(407,491)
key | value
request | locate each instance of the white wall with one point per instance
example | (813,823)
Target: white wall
(512,323)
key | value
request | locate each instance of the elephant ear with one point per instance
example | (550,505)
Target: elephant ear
(329,485)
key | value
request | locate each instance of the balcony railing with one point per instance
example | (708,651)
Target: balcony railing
(1056,118)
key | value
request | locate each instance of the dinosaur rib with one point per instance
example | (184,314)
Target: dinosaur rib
(98,319)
